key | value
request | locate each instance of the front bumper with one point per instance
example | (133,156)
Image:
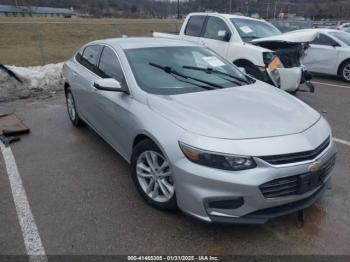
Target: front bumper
(289,78)
(264,215)
(196,186)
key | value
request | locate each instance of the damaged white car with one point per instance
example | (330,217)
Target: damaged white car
(329,53)
(252,44)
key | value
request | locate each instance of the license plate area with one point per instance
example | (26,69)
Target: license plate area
(310,181)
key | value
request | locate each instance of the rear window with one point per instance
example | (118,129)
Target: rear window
(323,40)
(342,36)
(90,57)
(195,25)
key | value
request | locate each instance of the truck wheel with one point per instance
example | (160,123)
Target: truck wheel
(254,72)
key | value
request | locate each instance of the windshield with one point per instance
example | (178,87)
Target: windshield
(251,29)
(342,36)
(178,70)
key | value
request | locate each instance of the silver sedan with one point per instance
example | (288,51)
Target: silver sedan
(199,134)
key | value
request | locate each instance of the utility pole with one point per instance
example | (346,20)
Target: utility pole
(178,9)
(247,3)
(274,13)
(230,6)
(268,9)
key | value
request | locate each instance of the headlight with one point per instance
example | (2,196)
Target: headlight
(216,160)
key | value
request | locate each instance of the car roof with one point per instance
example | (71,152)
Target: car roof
(228,16)
(142,42)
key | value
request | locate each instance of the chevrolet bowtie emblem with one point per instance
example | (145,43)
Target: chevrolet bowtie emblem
(315,166)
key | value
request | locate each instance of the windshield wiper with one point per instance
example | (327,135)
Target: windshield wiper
(169,70)
(209,70)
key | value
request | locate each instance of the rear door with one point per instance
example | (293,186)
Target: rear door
(86,75)
(213,35)
(194,29)
(322,56)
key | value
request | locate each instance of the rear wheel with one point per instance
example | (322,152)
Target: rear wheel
(72,111)
(152,175)
(345,71)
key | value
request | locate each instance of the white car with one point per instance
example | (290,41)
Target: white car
(329,53)
(344,27)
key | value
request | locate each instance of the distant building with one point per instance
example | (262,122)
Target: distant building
(12,10)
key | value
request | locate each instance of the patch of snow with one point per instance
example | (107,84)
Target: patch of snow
(36,80)
(45,77)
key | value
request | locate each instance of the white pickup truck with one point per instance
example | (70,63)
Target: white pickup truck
(255,45)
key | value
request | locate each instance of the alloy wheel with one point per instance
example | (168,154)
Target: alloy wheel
(71,106)
(154,176)
(346,72)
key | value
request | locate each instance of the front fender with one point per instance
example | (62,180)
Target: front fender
(244,51)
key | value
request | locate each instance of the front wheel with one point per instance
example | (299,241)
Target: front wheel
(254,72)
(345,71)
(152,175)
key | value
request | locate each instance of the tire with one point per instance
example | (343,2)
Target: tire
(72,111)
(344,71)
(161,192)
(253,71)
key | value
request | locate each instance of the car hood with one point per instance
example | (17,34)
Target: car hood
(245,112)
(290,37)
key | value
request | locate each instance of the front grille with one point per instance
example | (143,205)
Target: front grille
(297,157)
(294,185)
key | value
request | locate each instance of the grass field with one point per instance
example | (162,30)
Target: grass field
(27,42)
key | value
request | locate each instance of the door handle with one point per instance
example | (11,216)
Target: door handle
(75,74)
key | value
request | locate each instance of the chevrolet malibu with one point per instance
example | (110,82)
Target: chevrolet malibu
(199,134)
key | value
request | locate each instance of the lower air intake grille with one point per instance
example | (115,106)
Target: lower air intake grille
(280,187)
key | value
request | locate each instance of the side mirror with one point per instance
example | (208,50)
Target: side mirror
(109,84)
(224,35)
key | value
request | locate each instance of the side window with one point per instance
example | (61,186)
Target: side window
(214,25)
(110,67)
(324,40)
(90,57)
(79,57)
(195,25)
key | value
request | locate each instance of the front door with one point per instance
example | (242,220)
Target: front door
(112,112)
(217,35)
